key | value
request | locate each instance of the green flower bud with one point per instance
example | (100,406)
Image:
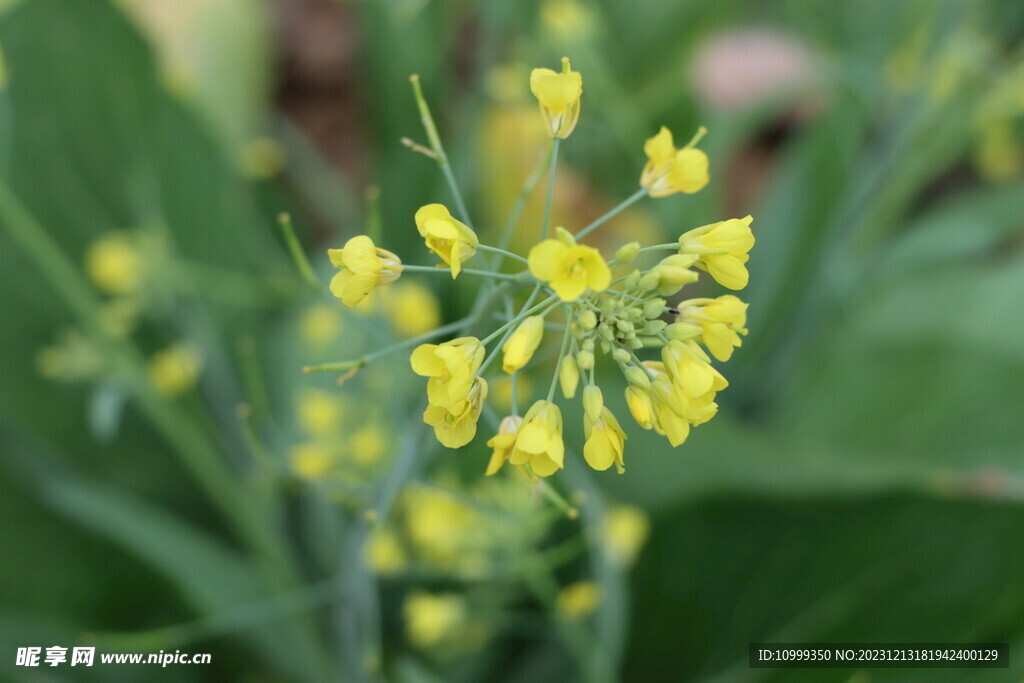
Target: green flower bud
(624,325)
(682,331)
(632,280)
(585,360)
(588,319)
(605,330)
(654,308)
(653,327)
(627,252)
(650,281)
(588,344)
(621,356)
(637,377)
(593,402)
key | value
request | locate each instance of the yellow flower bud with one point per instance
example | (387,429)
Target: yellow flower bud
(640,407)
(559,97)
(627,252)
(585,360)
(519,347)
(569,376)
(637,377)
(114,265)
(593,401)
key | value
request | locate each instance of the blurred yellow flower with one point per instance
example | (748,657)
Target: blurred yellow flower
(413,309)
(455,424)
(262,157)
(559,98)
(501,390)
(502,443)
(722,249)
(439,525)
(310,460)
(450,367)
(450,239)
(174,370)
(519,347)
(320,325)
(539,443)
(568,20)
(367,444)
(569,270)
(669,170)
(364,266)
(430,619)
(114,265)
(383,552)
(625,532)
(999,156)
(578,600)
(320,412)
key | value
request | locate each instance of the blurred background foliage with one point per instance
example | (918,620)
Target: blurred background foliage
(864,479)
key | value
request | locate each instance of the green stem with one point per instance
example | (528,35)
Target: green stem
(501,252)
(561,355)
(660,247)
(523,312)
(632,199)
(295,250)
(551,187)
(342,366)
(466,271)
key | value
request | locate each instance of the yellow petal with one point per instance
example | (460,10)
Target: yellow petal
(425,361)
(546,260)
(360,255)
(727,270)
(430,212)
(660,149)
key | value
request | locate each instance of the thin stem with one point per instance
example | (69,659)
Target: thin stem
(523,312)
(561,354)
(551,187)
(341,366)
(632,199)
(660,247)
(295,250)
(466,271)
(501,252)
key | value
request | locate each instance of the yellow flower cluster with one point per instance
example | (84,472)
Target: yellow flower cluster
(608,308)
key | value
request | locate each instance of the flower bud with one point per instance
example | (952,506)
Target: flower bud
(682,331)
(632,280)
(569,376)
(640,406)
(637,377)
(585,360)
(593,401)
(653,327)
(588,320)
(654,308)
(627,252)
(588,344)
(519,347)
(621,356)
(650,281)
(605,330)
(624,326)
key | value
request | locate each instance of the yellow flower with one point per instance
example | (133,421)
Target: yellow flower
(578,600)
(430,619)
(688,367)
(367,445)
(310,460)
(320,412)
(559,98)
(569,376)
(721,322)
(674,409)
(114,265)
(625,531)
(640,406)
(722,248)
(174,370)
(605,439)
(455,425)
(539,443)
(383,552)
(450,239)
(364,266)
(520,345)
(670,170)
(320,325)
(569,270)
(451,367)
(503,442)
(413,309)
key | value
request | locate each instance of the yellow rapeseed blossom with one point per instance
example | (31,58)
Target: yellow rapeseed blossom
(310,460)
(502,443)
(670,170)
(320,325)
(605,439)
(412,308)
(114,265)
(569,270)
(520,345)
(367,444)
(559,97)
(430,619)
(383,552)
(450,239)
(451,367)
(364,266)
(688,366)
(320,412)
(722,249)
(721,322)
(439,525)
(174,370)
(624,533)
(455,424)
(539,442)
(578,600)
(640,406)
